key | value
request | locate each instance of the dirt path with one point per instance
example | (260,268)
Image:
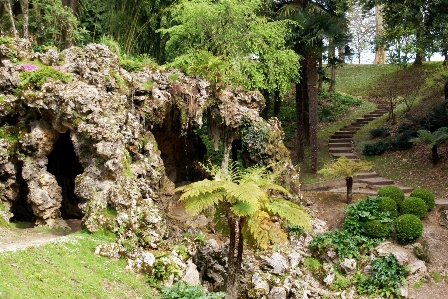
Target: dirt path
(19,238)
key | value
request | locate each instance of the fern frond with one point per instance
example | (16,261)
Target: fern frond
(244,209)
(289,211)
(257,229)
(248,192)
(198,188)
(196,204)
(344,167)
(277,235)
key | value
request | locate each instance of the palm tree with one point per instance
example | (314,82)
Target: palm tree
(432,140)
(245,199)
(343,167)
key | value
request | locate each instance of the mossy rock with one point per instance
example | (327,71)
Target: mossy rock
(408,228)
(426,195)
(415,206)
(387,204)
(392,192)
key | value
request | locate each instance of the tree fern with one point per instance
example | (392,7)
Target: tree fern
(432,140)
(289,211)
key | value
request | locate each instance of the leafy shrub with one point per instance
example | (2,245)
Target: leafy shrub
(387,204)
(387,276)
(426,195)
(346,244)
(408,228)
(415,206)
(377,229)
(312,264)
(340,282)
(131,65)
(38,77)
(374,149)
(333,105)
(379,132)
(185,291)
(401,142)
(6,40)
(393,192)
(362,211)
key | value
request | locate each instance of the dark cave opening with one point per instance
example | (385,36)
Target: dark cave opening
(21,210)
(64,165)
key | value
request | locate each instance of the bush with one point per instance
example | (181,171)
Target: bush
(424,194)
(38,77)
(387,204)
(408,228)
(393,192)
(377,229)
(387,276)
(374,149)
(186,291)
(379,132)
(415,206)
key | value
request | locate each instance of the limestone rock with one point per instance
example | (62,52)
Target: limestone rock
(191,274)
(348,266)
(276,264)
(277,293)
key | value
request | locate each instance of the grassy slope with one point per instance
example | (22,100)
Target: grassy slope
(68,269)
(412,167)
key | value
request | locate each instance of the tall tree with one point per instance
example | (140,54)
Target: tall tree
(198,35)
(24,6)
(7,5)
(316,21)
(380,50)
(362,28)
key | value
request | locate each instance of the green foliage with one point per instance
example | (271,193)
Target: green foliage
(343,167)
(173,77)
(6,40)
(254,137)
(164,267)
(362,211)
(312,264)
(408,228)
(334,105)
(182,290)
(415,206)
(256,57)
(387,204)
(244,193)
(426,195)
(295,230)
(111,43)
(52,22)
(377,229)
(346,244)
(131,65)
(340,282)
(386,279)
(431,139)
(436,276)
(379,132)
(392,192)
(38,77)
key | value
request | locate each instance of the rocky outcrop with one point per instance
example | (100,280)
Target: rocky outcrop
(126,130)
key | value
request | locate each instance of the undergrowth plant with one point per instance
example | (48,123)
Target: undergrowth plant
(182,290)
(386,278)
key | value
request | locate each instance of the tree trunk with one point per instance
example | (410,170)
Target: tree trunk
(320,74)
(435,155)
(300,130)
(8,8)
(227,144)
(380,54)
(349,183)
(67,39)
(24,6)
(232,277)
(311,76)
(341,54)
(331,62)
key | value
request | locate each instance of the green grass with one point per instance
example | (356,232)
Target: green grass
(69,269)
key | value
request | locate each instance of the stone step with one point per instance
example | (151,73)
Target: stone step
(341,144)
(352,127)
(340,149)
(350,156)
(343,132)
(377,181)
(366,175)
(339,139)
(374,115)
(346,135)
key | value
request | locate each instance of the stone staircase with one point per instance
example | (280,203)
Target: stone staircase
(341,144)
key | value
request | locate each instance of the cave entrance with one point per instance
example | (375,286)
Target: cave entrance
(64,165)
(21,210)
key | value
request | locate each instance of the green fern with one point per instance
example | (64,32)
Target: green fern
(432,140)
